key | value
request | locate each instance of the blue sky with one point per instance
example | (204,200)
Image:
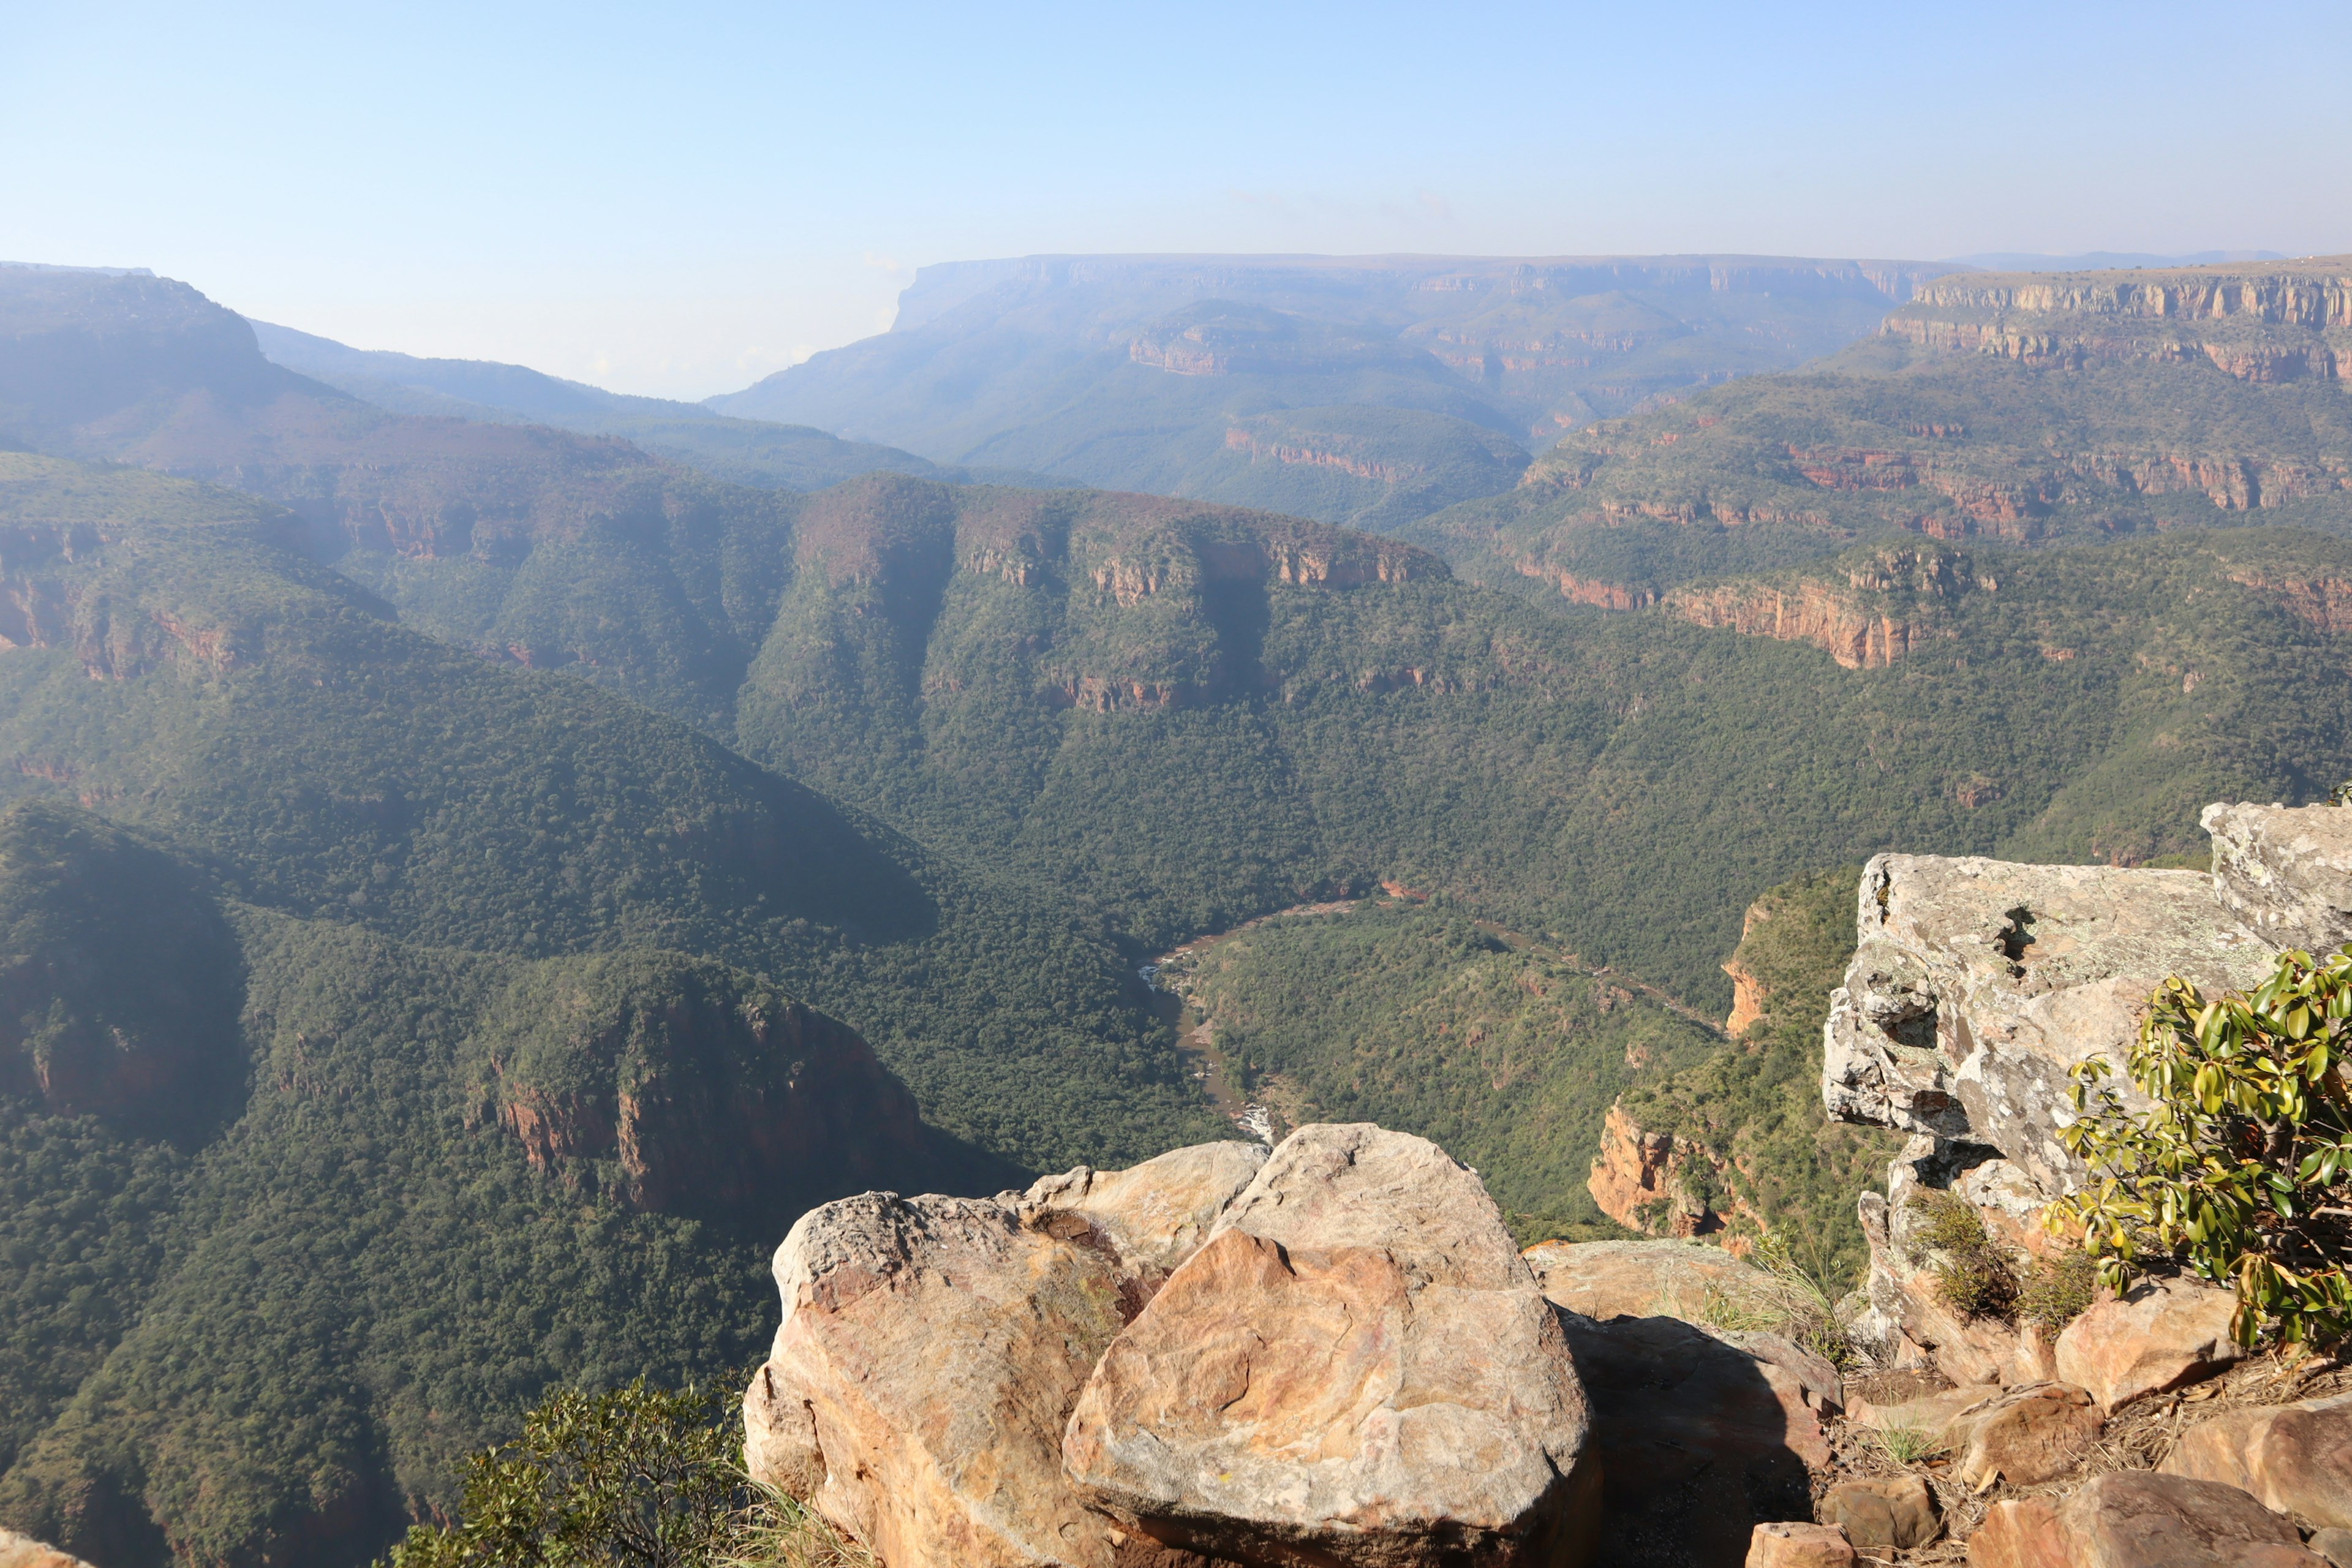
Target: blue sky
(679,200)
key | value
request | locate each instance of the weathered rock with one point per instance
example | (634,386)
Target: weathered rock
(932,1349)
(1939,1418)
(1641,1179)
(24,1551)
(2161,1335)
(2286,872)
(2295,1458)
(1798,1546)
(2028,1436)
(1358,1365)
(1897,1513)
(1698,1440)
(1979,985)
(2333,1544)
(1643,1279)
(2137,1519)
(1909,1320)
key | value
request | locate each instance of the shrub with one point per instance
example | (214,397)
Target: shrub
(2241,1170)
(635,1477)
(1974,1274)
(2059,1287)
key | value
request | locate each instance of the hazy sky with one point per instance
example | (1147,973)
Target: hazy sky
(681,199)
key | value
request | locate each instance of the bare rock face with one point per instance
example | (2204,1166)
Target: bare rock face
(1355,1369)
(24,1551)
(2296,1459)
(1640,1279)
(2286,872)
(1978,985)
(932,1349)
(1798,1546)
(1897,1514)
(2138,1518)
(2163,1334)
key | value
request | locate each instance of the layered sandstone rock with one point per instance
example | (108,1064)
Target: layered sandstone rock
(2137,1519)
(1643,1279)
(1642,1180)
(1787,1544)
(2296,1459)
(2028,1435)
(1355,1368)
(932,1349)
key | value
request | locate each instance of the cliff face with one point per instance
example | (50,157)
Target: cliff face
(1661,1184)
(1978,986)
(1888,604)
(677,1083)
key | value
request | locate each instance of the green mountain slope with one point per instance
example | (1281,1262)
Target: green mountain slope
(1398,383)
(2027,408)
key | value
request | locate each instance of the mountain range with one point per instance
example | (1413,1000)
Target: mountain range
(466,883)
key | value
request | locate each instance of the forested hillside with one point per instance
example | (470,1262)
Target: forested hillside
(533,837)
(2023,408)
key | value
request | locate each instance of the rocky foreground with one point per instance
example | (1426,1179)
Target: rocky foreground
(1331,1354)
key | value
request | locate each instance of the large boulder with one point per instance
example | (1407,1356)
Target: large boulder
(1355,1369)
(1799,1544)
(1893,1514)
(932,1349)
(1645,1278)
(2160,1335)
(2138,1518)
(2286,871)
(2028,1436)
(2295,1458)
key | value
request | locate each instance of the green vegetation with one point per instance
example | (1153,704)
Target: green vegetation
(2239,1171)
(1974,1275)
(1756,1101)
(1414,1018)
(632,1477)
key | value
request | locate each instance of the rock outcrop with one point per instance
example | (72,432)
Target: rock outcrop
(1331,1354)
(2295,1459)
(24,1551)
(1978,987)
(1642,1180)
(932,1347)
(1355,1368)
(2136,1519)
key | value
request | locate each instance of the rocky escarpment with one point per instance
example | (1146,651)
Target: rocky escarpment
(2265,324)
(1978,985)
(676,1082)
(1888,604)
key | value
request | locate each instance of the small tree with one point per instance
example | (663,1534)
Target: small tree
(635,1477)
(2242,1171)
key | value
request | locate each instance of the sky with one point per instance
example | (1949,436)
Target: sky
(680,200)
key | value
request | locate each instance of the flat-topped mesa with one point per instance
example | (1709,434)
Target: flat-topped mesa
(1978,986)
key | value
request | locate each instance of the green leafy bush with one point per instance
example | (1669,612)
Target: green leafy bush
(1974,1275)
(633,1478)
(2240,1172)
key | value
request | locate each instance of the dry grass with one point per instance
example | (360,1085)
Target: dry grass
(779,1531)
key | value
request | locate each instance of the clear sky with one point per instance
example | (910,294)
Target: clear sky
(680,199)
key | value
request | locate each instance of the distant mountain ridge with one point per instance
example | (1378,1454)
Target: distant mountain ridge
(1137,372)
(2035,407)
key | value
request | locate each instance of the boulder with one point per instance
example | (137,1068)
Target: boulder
(2334,1543)
(1643,1279)
(932,1349)
(1896,1514)
(2161,1334)
(2286,871)
(1796,1545)
(2028,1436)
(2138,1518)
(1698,1441)
(1355,1368)
(24,1551)
(1940,1418)
(2295,1458)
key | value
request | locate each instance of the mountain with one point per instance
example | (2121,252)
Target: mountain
(2026,408)
(1365,390)
(738,451)
(470,882)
